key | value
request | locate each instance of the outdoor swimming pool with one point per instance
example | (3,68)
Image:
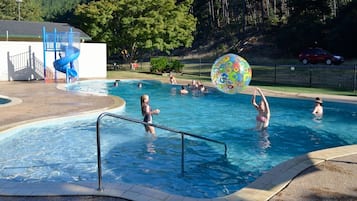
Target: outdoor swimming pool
(64,150)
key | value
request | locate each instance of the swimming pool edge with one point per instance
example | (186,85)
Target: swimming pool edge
(279,177)
(264,188)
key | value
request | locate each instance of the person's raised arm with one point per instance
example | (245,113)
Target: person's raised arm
(254,103)
(265,102)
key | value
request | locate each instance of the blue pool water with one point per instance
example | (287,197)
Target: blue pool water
(65,149)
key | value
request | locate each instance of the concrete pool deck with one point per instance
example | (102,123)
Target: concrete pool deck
(321,175)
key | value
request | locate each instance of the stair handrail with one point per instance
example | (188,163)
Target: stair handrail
(100,187)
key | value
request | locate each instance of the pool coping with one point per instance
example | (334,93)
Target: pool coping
(13,101)
(264,188)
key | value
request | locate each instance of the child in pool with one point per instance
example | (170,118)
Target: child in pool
(263,109)
(147,113)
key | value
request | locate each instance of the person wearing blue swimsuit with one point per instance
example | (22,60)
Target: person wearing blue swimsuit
(147,113)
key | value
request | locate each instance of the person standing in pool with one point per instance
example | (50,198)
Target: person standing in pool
(318,110)
(147,113)
(263,109)
(172,79)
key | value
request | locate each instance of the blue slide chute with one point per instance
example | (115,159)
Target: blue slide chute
(61,64)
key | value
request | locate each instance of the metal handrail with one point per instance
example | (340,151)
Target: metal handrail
(100,187)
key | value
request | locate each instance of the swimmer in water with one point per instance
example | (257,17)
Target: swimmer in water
(263,109)
(318,110)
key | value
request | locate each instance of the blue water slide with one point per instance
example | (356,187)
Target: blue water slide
(61,64)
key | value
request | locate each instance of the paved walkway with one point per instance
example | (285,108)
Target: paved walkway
(322,175)
(35,101)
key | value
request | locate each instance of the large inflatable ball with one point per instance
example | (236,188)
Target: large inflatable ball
(231,73)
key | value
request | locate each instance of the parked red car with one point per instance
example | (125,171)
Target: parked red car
(319,55)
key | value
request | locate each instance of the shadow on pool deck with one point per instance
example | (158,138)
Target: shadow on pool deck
(322,175)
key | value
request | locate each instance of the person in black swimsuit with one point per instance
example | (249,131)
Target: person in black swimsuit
(147,113)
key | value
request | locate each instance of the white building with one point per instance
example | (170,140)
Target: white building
(22,52)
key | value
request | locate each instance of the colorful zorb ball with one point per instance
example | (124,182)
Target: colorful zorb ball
(231,73)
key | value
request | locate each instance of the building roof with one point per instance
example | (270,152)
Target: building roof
(32,31)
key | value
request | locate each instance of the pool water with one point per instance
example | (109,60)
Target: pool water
(64,150)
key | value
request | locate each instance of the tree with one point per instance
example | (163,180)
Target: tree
(342,31)
(131,25)
(305,24)
(30,10)
(95,18)
(153,25)
(59,10)
(314,9)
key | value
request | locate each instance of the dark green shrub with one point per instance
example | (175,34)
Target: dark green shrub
(177,66)
(158,64)
(165,65)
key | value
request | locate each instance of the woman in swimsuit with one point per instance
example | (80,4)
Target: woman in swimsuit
(147,113)
(263,109)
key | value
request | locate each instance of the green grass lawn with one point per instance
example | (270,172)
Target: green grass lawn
(205,78)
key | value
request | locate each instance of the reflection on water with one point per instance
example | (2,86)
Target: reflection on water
(264,139)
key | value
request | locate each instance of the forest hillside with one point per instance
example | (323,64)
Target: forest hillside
(263,28)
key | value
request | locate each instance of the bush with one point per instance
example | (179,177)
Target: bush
(177,66)
(163,64)
(158,64)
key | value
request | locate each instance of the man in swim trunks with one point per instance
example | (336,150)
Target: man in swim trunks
(147,113)
(263,109)
(318,110)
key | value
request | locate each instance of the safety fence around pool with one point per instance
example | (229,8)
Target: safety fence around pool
(342,77)
(324,76)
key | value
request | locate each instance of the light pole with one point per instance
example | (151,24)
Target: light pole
(18,8)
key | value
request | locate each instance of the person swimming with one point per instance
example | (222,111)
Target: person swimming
(263,117)
(183,90)
(140,85)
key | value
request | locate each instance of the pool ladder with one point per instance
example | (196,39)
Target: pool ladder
(100,117)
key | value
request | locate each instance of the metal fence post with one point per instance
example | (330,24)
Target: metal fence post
(274,73)
(354,79)
(200,67)
(310,76)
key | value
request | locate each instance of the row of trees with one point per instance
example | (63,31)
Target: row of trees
(39,10)
(290,24)
(30,10)
(132,27)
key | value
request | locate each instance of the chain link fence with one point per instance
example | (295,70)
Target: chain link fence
(321,76)
(342,77)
